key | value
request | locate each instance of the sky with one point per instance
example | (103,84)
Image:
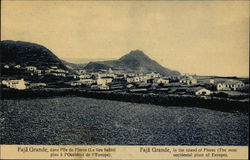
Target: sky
(201,37)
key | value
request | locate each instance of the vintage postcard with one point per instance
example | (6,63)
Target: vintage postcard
(124,79)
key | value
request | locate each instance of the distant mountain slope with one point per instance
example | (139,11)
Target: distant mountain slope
(135,61)
(79,63)
(83,60)
(73,66)
(26,53)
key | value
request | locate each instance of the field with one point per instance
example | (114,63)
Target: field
(78,120)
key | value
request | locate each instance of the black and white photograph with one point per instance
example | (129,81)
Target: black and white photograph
(169,73)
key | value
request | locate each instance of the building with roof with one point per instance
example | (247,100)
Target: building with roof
(229,85)
(31,68)
(133,79)
(16,84)
(188,80)
(104,80)
(130,86)
(17,66)
(199,91)
(153,75)
(6,66)
(87,81)
(162,81)
(76,83)
(58,74)
(99,87)
(82,76)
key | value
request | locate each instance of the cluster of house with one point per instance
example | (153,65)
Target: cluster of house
(53,70)
(96,80)
(110,80)
(21,84)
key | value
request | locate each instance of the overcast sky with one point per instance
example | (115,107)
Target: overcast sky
(206,38)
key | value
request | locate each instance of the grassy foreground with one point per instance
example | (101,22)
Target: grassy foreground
(79,120)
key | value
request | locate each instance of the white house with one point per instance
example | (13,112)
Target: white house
(229,85)
(53,67)
(75,83)
(82,76)
(104,87)
(130,79)
(137,79)
(133,79)
(103,81)
(101,75)
(130,86)
(200,91)
(130,74)
(203,91)
(162,81)
(58,74)
(211,81)
(87,81)
(56,69)
(31,68)
(6,66)
(100,87)
(153,75)
(143,78)
(188,80)
(18,66)
(60,71)
(16,84)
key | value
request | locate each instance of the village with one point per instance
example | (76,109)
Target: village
(32,77)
